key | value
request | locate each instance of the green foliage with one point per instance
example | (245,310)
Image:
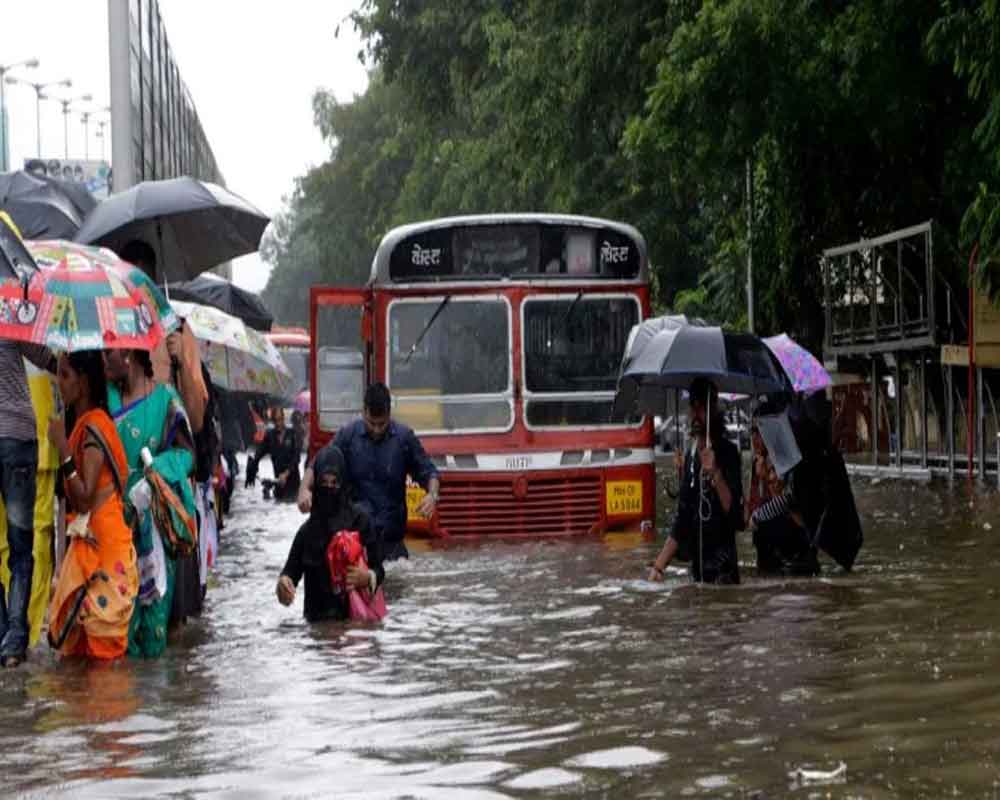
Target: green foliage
(854,118)
(968,36)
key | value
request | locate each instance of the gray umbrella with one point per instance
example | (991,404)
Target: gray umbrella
(665,354)
(40,208)
(192,225)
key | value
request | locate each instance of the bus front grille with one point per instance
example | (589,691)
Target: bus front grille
(538,506)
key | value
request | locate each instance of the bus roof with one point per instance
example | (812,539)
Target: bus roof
(380,273)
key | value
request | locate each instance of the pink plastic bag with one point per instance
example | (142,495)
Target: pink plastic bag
(365,607)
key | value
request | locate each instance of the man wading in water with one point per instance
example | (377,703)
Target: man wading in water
(710,504)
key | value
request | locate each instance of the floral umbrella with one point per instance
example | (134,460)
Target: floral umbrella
(801,366)
(238,358)
(83,298)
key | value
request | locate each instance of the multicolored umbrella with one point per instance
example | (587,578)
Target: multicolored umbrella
(83,298)
(238,358)
(801,366)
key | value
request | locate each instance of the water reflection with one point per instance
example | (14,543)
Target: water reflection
(514,669)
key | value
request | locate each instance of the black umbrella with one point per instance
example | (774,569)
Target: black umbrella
(666,354)
(39,208)
(76,191)
(212,290)
(192,225)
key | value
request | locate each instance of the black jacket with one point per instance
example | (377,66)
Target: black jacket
(716,560)
(308,554)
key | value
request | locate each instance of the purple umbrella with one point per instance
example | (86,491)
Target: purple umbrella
(806,373)
(302,402)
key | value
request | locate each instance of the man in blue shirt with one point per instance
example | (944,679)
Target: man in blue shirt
(380,453)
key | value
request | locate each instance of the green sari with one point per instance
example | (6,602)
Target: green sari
(153,422)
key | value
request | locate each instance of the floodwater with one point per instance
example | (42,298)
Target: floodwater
(516,670)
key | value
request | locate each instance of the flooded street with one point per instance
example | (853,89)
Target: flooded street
(517,669)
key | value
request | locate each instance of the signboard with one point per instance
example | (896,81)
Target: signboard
(512,251)
(986,318)
(94,174)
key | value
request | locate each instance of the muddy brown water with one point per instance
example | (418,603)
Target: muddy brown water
(522,669)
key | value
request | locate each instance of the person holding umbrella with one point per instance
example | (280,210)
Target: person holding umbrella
(92,604)
(710,504)
(18,465)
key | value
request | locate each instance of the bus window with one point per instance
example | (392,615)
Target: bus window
(449,363)
(573,347)
(339,365)
(341,386)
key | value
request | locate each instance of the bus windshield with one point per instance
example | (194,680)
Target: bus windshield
(451,372)
(573,347)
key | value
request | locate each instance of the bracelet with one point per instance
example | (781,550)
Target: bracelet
(73,474)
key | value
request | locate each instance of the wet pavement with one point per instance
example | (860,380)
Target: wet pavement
(514,670)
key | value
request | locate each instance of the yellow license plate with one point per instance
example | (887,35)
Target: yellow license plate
(414,497)
(623,497)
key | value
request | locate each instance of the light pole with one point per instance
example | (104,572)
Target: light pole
(30,63)
(39,91)
(101,123)
(85,116)
(66,103)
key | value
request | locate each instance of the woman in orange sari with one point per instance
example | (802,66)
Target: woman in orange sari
(98,580)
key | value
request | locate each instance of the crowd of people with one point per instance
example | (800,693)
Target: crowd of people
(136,467)
(799,498)
(146,462)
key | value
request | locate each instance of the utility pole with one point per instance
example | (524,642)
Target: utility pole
(31,63)
(750,309)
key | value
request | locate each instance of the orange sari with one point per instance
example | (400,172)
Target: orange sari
(98,579)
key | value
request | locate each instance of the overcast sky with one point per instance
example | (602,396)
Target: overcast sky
(251,67)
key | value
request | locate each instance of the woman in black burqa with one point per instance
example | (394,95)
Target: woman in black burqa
(332,511)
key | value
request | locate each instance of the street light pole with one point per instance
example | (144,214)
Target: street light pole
(30,63)
(85,117)
(66,103)
(39,93)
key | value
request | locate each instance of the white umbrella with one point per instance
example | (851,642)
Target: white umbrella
(239,359)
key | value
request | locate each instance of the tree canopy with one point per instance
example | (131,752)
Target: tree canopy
(849,118)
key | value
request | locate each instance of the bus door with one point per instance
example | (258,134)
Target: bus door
(341,358)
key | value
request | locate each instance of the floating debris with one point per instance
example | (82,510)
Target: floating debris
(802,775)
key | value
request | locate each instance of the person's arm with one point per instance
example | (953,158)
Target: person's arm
(39,355)
(193,392)
(423,471)
(374,576)
(80,479)
(717,478)
(663,559)
(291,573)
(304,499)
(773,508)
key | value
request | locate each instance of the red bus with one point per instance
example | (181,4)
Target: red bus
(293,344)
(500,337)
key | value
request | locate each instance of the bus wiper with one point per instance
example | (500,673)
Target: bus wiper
(427,327)
(569,311)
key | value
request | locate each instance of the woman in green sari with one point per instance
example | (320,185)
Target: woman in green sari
(149,414)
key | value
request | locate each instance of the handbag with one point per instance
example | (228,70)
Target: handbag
(346,550)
